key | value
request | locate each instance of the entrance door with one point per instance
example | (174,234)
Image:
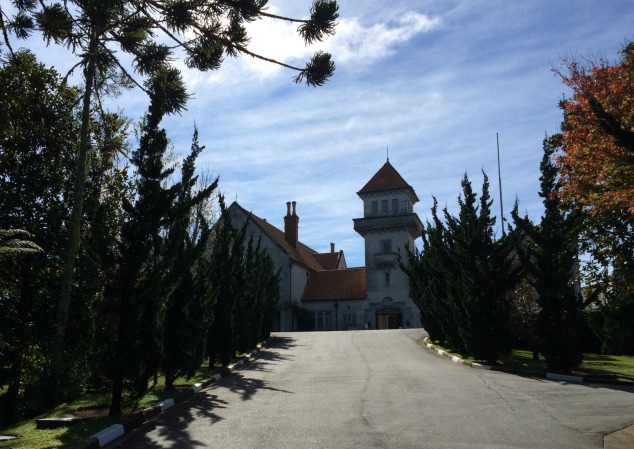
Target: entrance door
(389,318)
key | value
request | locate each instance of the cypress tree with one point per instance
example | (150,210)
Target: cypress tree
(227,277)
(549,252)
(428,287)
(130,316)
(190,296)
(481,276)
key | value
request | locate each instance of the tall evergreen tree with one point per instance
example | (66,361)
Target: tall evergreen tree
(482,276)
(130,317)
(268,278)
(38,132)
(428,287)
(97,31)
(191,296)
(549,252)
(227,277)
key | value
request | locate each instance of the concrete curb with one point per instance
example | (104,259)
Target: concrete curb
(526,373)
(131,422)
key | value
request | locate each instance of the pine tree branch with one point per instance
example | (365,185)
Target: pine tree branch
(283,18)
(4,32)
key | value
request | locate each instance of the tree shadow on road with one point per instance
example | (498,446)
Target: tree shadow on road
(205,408)
(246,386)
(173,426)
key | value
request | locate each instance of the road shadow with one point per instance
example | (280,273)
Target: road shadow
(280,341)
(173,427)
(245,386)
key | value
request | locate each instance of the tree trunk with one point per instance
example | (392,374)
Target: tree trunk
(117,394)
(10,398)
(74,227)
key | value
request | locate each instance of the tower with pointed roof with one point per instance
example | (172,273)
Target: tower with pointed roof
(389,224)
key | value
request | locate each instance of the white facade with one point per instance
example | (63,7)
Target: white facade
(321,286)
(388,226)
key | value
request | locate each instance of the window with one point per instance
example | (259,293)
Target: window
(349,318)
(384,206)
(323,320)
(395,206)
(375,208)
(387,278)
(386,246)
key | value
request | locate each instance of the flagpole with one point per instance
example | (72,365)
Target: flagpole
(497,138)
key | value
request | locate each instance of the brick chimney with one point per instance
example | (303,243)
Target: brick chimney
(291,224)
(332,247)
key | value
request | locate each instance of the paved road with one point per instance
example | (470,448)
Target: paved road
(380,389)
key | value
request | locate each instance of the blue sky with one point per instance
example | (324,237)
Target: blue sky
(432,80)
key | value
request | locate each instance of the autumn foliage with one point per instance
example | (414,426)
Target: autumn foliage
(597,165)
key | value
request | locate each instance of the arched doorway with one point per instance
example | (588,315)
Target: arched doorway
(389,318)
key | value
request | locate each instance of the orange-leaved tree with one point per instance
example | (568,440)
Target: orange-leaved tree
(597,165)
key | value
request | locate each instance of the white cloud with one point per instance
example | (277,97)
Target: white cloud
(356,44)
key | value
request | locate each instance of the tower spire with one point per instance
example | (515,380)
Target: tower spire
(388,153)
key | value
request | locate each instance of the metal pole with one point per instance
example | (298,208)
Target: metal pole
(497,138)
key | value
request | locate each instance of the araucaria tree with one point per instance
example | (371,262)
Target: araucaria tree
(148,32)
(549,252)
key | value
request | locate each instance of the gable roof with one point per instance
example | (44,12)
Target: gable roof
(338,285)
(387,178)
(302,254)
(330,261)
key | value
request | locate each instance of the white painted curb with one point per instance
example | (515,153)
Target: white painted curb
(167,403)
(217,377)
(197,387)
(108,434)
(564,377)
(478,366)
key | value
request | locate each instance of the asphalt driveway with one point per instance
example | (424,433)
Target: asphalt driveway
(381,389)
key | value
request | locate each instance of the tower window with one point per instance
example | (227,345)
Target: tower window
(386,246)
(387,278)
(375,208)
(395,206)
(384,206)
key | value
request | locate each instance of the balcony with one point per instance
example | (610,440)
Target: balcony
(410,222)
(386,259)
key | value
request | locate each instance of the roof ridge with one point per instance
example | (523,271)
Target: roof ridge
(386,178)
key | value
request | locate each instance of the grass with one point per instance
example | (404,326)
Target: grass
(33,438)
(619,365)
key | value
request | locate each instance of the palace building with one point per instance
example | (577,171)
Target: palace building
(318,291)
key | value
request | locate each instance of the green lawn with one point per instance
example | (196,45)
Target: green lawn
(32,438)
(620,365)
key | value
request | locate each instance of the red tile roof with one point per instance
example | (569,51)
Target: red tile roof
(387,178)
(336,285)
(330,261)
(302,254)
